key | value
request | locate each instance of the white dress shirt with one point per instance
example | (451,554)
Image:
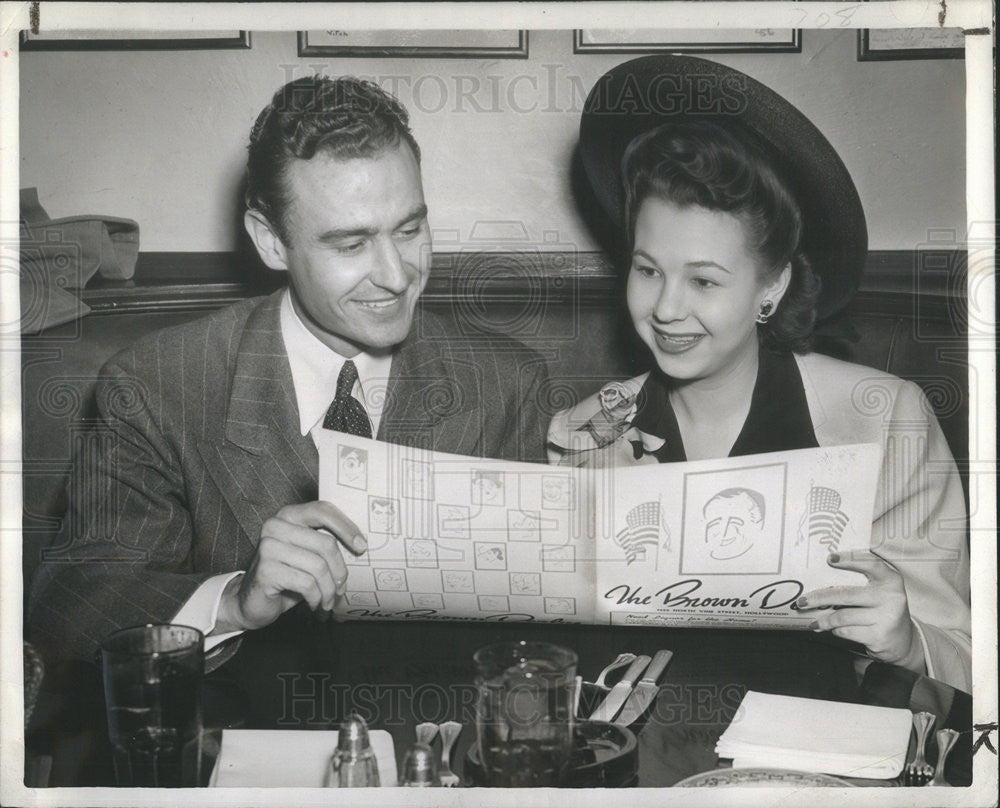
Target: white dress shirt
(315,368)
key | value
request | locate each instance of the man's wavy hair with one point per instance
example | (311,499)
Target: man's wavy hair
(700,163)
(346,118)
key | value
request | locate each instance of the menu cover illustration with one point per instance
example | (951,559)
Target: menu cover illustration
(730,542)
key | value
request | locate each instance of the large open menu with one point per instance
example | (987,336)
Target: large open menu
(730,542)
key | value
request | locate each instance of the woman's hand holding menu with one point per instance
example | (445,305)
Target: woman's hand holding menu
(876,614)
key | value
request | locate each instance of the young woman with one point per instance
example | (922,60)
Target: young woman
(723,233)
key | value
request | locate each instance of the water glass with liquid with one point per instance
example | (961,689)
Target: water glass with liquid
(524,712)
(152,686)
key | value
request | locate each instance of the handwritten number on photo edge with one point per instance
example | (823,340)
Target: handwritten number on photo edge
(984,738)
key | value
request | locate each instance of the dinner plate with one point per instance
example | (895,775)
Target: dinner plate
(763,778)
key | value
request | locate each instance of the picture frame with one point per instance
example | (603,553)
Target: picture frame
(72,40)
(477,44)
(687,40)
(890,44)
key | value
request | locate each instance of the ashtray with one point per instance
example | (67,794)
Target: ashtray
(604,756)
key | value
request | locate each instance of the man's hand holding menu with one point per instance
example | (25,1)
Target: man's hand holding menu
(298,558)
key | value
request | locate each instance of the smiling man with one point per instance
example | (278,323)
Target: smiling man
(202,509)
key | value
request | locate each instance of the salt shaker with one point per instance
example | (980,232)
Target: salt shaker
(353,764)
(419,768)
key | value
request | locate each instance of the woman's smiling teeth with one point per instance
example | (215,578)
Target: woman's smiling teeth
(676,342)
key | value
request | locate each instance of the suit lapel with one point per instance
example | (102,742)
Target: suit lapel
(432,399)
(263,463)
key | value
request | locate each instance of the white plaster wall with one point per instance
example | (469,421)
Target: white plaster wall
(160,136)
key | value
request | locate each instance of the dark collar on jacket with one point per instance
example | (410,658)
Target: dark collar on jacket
(778,419)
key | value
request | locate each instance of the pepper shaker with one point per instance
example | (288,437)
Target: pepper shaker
(420,768)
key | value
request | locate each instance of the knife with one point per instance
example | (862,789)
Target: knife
(616,698)
(645,690)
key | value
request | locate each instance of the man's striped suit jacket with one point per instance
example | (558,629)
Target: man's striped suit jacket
(198,444)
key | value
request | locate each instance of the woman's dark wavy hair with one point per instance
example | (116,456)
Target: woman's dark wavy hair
(345,117)
(701,163)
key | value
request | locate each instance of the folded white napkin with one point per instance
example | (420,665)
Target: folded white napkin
(289,758)
(851,740)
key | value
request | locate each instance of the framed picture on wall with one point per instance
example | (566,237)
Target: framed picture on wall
(493,44)
(73,40)
(687,40)
(881,44)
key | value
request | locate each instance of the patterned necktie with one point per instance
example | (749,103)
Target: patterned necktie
(346,413)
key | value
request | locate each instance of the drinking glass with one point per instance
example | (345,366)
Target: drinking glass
(152,687)
(524,712)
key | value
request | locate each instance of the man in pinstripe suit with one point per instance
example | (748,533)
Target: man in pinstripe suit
(202,508)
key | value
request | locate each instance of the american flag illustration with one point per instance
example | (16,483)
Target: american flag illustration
(642,530)
(823,521)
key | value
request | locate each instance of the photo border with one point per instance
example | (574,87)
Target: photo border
(980,211)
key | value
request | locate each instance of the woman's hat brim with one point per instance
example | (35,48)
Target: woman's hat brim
(647,92)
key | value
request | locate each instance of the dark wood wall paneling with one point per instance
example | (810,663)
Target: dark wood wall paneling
(179,281)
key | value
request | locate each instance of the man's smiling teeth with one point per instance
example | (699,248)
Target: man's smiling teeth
(377,304)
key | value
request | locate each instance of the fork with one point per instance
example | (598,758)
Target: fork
(427,732)
(450,730)
(945,740)
(919,771)
(620,662)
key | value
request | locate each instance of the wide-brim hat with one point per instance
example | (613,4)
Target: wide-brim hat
(647,92)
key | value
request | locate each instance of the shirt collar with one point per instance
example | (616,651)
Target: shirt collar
(315,368)
(778,419)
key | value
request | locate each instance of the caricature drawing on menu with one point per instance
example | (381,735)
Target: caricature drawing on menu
(557,492)
(427,601)
(352,467)
(362,599)
(491,556)
(383,515)
(421,553)
(525,583)
(734,529)
(560,606)
(390,580)
(453,521)
(493,603)
(487,487)
(524,525)
(459,581)
(734,521)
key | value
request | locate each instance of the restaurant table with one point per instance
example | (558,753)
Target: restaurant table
(303,673)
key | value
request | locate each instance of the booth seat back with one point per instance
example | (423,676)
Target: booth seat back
(581,333)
